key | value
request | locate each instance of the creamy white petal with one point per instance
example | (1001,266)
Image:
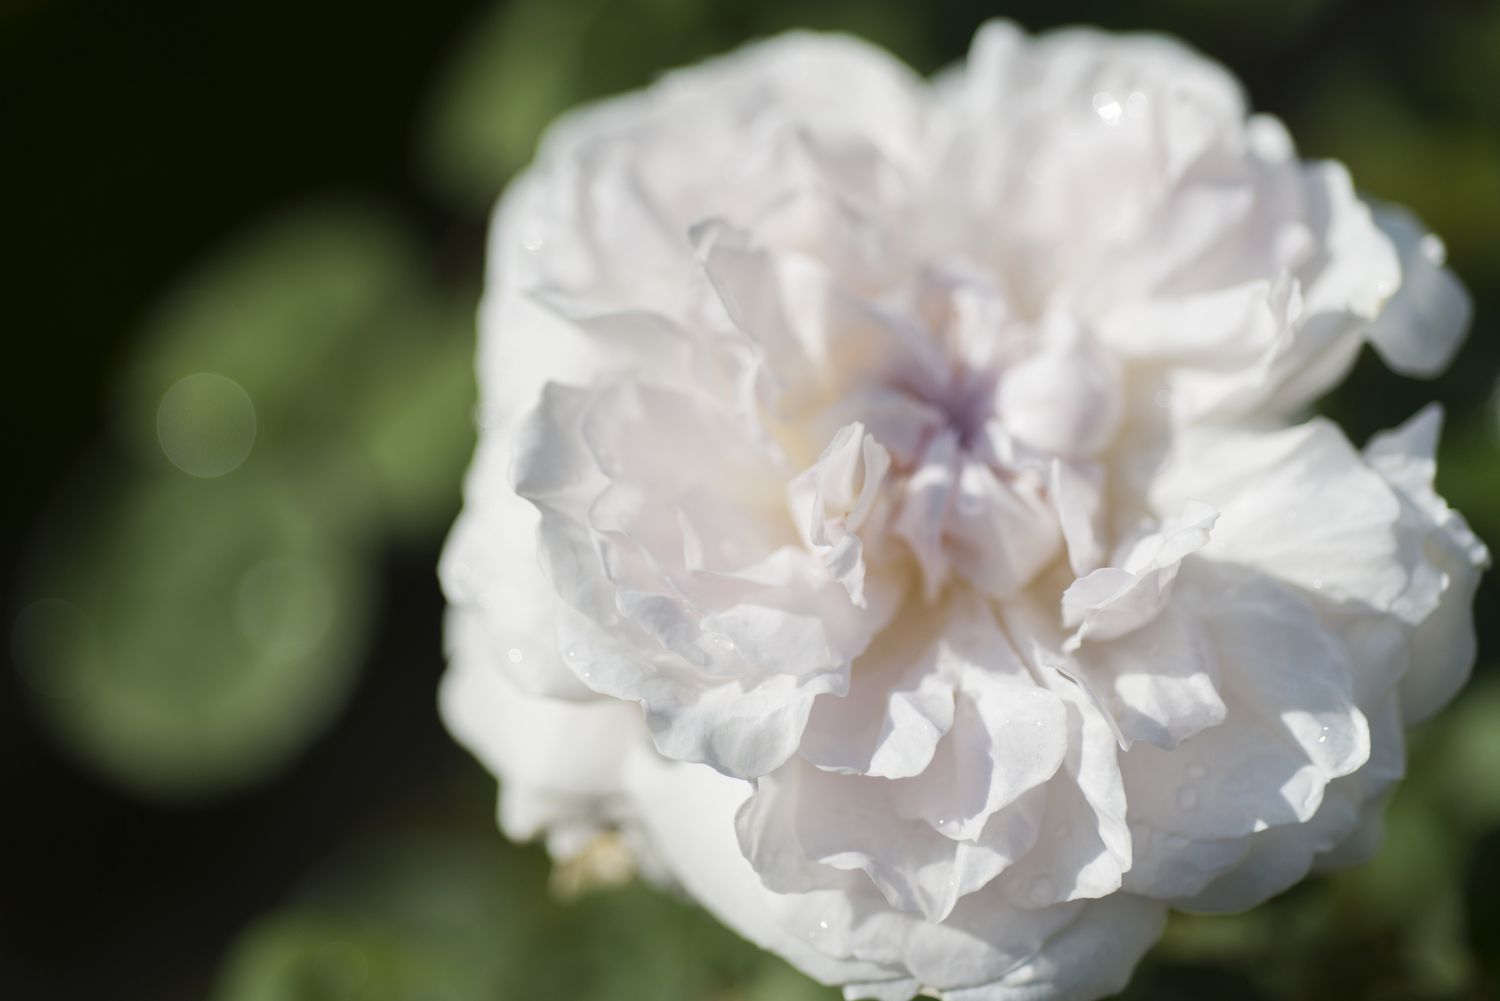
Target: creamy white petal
(1159,683)
(1421,327)
(1092,958)
(1116,600)
(899,705)
(1300,505)
(1442,645)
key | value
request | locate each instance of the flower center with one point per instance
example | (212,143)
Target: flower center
(964,404)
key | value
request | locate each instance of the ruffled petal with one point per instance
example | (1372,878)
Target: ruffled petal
(1423,324)
(1442,645)
(1114,601)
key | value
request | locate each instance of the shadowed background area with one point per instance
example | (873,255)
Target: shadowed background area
(245,247)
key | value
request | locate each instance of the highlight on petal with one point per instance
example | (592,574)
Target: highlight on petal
(1421,327)
(836,497)
(1442,647)
(1113,601)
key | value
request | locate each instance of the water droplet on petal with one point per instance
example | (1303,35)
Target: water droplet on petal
(1323,737)
(1042,891)
(513,655)
(577,652)
(723,642)
(1187,798)
(1431,247)
(1196,770)
(1137,104)
(1106,107)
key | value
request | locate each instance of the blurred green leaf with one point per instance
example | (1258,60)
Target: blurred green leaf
(528,61)
(315,957)
(518,69)
(1447,171)
(1469,473)
(196,631)
(1191,939)
(474,915)
(318,394)
(1466,758)
(412,413)
(1482,903)
(1191,983)
(357,374)
(282,311)
(1416,862)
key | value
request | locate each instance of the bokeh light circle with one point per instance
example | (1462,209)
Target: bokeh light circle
(205,424)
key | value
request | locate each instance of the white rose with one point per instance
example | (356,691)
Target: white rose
(893,512)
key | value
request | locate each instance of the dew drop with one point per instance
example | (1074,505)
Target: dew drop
(1137,104)
(577,652)
(1187,797)
(1196,771)
(1163,398)
(513,655)
(1042,891)
(1323,737)
(1431,247)
(1106,107)
(1317,583)
(723,642)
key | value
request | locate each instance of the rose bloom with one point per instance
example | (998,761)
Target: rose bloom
(896,517)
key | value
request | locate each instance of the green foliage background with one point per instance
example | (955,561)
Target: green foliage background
(225,776)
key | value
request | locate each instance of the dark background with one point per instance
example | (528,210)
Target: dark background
(139,139)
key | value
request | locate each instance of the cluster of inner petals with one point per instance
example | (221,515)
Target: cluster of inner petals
(952,450)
